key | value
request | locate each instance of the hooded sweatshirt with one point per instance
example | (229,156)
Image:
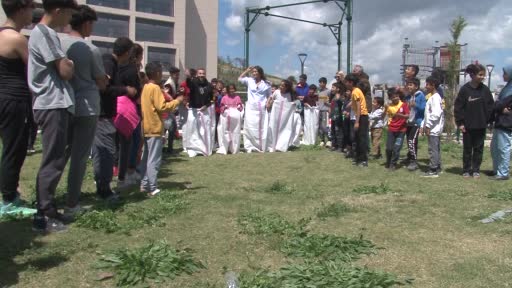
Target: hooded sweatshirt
(504,121)
(473,107)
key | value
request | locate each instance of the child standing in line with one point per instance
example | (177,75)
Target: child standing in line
(336,115)
(377,124)
(348,124)
(432,127)
(473,108)
(416,101)
(398,113)
(361,123)
(153,105)
(323,99)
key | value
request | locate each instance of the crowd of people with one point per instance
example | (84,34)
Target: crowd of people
(103,106)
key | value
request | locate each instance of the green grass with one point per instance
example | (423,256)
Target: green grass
(295,219)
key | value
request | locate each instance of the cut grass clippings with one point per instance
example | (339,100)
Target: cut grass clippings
(327,247)
(501,195)
(279,187)
(266,224)
(382,188)
(325,260)
(334,210)
(155,261)
(325,274)
(134,216)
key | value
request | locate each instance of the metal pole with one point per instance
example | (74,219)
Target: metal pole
(404,49)
(247,30)
(302,58)
(489,80)
(339,47)
(349,35)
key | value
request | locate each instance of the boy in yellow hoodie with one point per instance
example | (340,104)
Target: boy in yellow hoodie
(153,104)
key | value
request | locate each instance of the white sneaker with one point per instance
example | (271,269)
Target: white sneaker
(154,192)
(328,144)
(322,144)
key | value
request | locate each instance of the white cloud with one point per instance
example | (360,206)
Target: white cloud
(232,42)
(379,30)
(234,23)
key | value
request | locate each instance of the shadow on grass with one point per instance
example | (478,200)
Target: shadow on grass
(454,170)
(16,238)
(167,185)
(127,196)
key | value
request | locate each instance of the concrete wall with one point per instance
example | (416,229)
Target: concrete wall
(201,35)
(195,31)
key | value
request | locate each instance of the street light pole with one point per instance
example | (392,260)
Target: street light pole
(490,68)
(302,58)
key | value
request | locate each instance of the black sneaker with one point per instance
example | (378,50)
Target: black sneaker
(43,224)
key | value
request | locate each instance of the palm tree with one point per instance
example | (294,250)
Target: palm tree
(458,24)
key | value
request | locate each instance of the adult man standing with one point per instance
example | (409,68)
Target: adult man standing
(49,71)
(15,103)
(200,99)
(103,148)
(338,78)
(89,78)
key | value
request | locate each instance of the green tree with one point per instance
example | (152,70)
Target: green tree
(452,75)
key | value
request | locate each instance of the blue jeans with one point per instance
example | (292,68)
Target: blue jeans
(500,151)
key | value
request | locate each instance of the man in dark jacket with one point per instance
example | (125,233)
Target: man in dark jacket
(103,148)
(201,91)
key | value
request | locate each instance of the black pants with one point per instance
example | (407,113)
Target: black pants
(362,139)
(54,124)
(413,132)
(125,148)
(473,143)
(337,135)
(32,134)
(346,133)
(14,115)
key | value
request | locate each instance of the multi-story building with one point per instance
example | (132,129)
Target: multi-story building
(181,33)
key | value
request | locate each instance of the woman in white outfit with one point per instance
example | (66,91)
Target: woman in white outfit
(255,124)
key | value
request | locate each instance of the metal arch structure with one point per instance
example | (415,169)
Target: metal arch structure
(346,13)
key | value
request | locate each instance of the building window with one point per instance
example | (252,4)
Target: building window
(164,56)
(105,47)
(161,7)
(120,4)
(154,31)
(109,25)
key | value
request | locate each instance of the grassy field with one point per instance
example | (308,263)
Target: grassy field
(281,218)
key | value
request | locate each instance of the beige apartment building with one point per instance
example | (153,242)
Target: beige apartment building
(181,33)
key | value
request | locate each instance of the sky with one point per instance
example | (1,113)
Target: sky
(379,30)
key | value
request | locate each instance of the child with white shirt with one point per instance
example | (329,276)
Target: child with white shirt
(432,127)
(377,123)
